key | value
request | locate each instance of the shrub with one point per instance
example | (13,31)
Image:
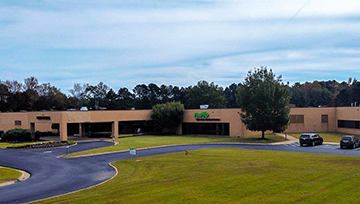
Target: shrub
(17,134)
(37,135)
(1,134)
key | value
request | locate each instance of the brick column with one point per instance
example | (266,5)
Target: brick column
(115,129)
(63,132)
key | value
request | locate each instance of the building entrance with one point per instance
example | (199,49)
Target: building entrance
(206,128)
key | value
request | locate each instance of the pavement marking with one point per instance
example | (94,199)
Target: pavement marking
(47,152)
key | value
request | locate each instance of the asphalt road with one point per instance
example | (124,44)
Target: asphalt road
(51,176)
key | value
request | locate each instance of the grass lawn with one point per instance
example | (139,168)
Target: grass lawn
(228,176)
(327,136)
(7,174)
(151,141)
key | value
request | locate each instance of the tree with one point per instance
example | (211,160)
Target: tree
(355,89)
(230,95)
(79,93)
(4,96)
(264,101)
(111,99)
(178,94)
(296,97)
(154,94)
(320,97)
(31,83)
(13,86)
(126,99)
(168,115)
(142,96)
(205,93)
(164,94)
(97,93)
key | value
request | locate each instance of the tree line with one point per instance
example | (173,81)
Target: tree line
(34,96)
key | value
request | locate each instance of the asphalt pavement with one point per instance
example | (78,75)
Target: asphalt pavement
(52,176)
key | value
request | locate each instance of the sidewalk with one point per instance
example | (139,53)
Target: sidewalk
(289,141)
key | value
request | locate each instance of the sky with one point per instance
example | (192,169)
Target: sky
(178,42)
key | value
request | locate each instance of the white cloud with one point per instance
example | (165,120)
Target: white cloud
(177,42)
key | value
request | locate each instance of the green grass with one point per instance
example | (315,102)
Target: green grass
(228,176)
(327,136)
(7,174)
(152,141)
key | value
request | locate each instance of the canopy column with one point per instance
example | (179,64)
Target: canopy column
(115,129)
(63,132)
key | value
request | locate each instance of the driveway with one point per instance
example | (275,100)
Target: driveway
(51,176)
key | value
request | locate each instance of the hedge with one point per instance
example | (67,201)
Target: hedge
(17,134)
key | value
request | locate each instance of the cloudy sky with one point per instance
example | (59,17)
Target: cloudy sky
(179,42)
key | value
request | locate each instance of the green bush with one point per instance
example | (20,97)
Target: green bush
(37,135)
(17,134)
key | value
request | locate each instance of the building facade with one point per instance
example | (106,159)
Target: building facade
(196,121)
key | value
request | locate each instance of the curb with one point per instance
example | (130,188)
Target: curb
(173,145)
(23,177)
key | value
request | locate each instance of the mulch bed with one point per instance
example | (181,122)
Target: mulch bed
(41,145)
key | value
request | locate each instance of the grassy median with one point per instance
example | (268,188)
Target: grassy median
(228,176)
(153,141)
(7,174)
(327,136)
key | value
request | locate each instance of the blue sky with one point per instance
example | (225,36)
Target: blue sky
(180,42)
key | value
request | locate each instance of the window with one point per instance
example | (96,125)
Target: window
(43,117)
(349,124)
(296,118)
(17,122)
(324,119)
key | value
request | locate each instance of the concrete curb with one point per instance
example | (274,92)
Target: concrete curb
(290,141)
(23,177)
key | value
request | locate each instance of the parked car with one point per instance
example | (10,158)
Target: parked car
(349,141)
(310,139)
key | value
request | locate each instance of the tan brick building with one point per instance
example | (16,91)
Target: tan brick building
(212,122)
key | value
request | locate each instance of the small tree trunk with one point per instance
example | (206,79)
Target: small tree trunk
(263,135)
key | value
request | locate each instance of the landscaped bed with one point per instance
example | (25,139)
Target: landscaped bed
(228,176)
(327,136)
(35,145)
(125,143)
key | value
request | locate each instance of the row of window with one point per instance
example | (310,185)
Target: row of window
(325,119)
(349,124)
(300,118)
(18,122)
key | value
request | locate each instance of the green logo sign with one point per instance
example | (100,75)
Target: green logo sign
(201,115)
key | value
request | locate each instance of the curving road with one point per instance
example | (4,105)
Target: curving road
(51,176)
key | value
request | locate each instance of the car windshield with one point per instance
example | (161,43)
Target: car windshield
(346,138)
(305,136)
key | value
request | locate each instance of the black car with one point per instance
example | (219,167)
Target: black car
(310,139)
(349,141)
